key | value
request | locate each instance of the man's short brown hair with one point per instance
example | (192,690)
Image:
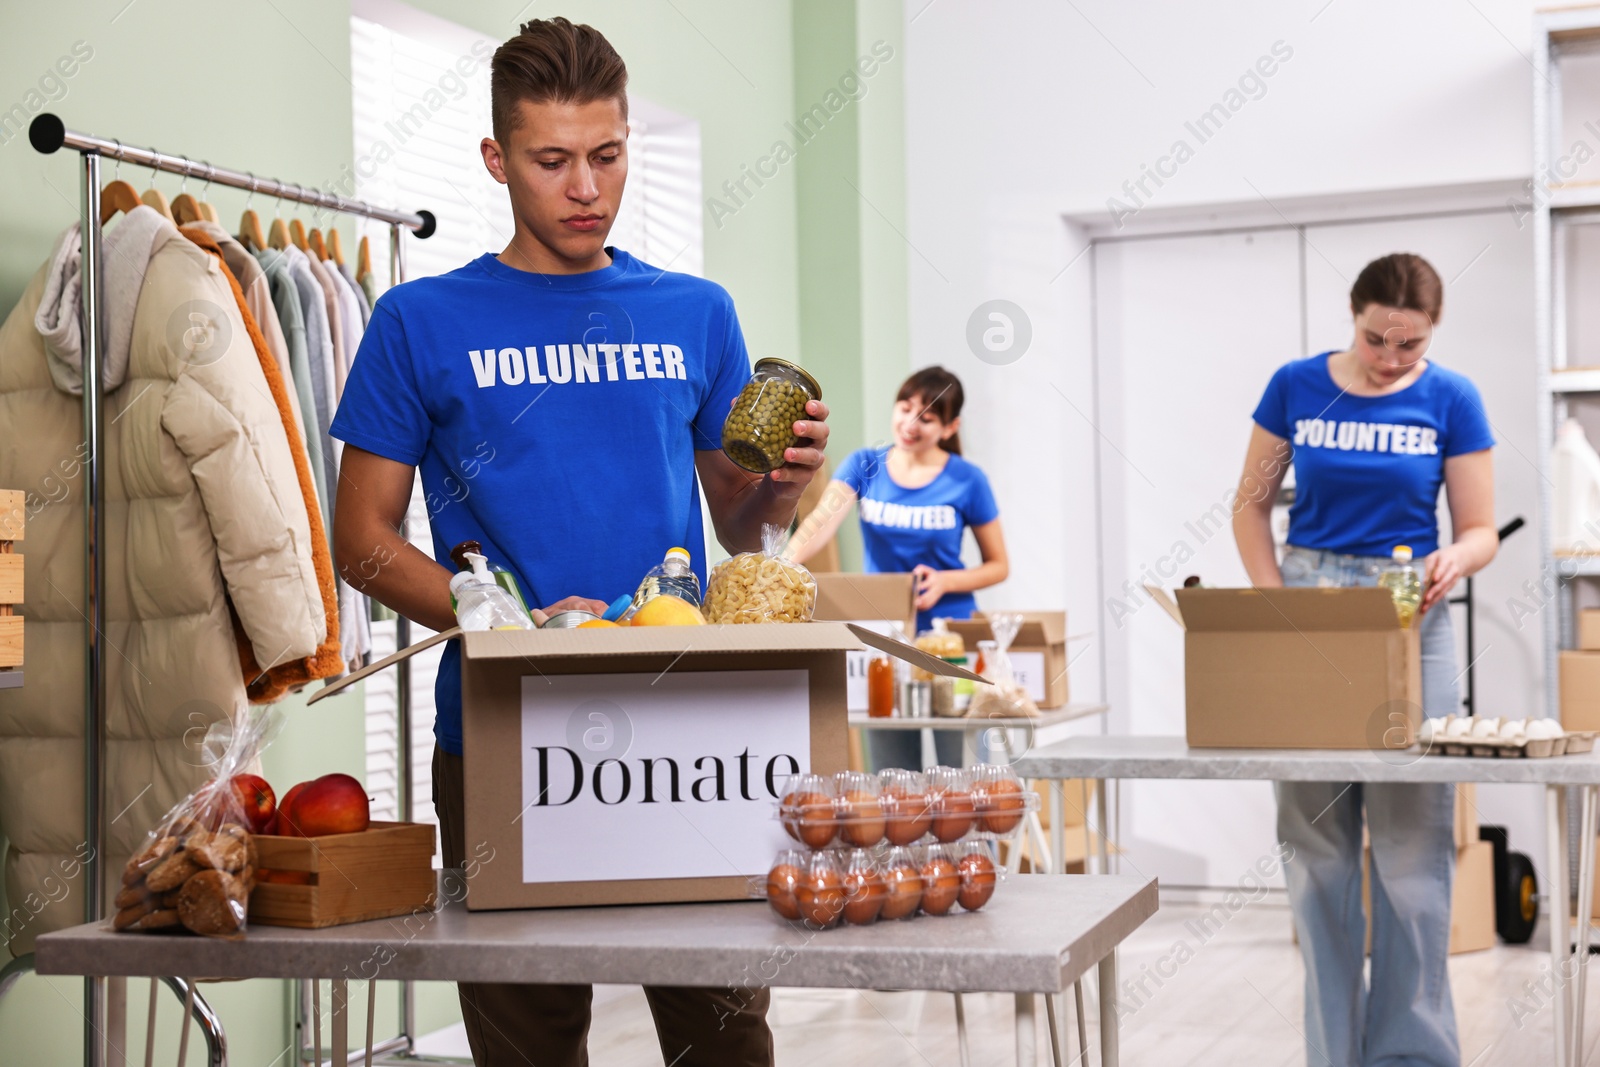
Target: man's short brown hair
(553,59)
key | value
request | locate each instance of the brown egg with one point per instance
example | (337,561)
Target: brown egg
(865,894)
(909,817)
(809,818)
(820,895)
(1001,804)
(977,880)
(862,822)
(904,891)
(782,882)
(941,883)
(952,815)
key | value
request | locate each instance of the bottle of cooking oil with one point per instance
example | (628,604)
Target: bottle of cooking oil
(674,576)
(1404,584)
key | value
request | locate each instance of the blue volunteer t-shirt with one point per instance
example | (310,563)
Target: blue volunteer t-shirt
(554,419)
(902,528)
(1368,469)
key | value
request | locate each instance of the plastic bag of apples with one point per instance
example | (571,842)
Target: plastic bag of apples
(197,867)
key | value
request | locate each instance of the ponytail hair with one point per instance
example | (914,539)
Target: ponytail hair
(940,392)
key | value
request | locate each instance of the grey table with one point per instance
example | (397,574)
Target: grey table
(1121,757)
(971,728)
(1038,935)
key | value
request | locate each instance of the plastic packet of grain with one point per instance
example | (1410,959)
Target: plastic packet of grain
(761,586)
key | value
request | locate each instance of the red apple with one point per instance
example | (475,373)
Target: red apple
(284,817)
(256,799)
(332,804)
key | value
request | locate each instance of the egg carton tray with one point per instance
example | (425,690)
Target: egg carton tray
(1012,817)
(1570,744)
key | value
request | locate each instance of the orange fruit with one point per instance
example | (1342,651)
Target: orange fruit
(668,611)
(596,624)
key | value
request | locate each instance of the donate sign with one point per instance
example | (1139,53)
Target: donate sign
(640,776)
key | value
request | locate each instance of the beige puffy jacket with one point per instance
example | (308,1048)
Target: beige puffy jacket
(202,507)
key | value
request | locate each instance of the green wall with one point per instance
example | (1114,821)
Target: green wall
(264,86)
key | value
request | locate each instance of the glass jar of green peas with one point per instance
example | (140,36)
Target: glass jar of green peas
(760,428)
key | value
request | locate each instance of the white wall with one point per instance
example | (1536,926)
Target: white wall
(1020,113)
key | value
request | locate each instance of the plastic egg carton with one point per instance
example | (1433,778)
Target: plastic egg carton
(834,887)
(900,808)
(1454,735)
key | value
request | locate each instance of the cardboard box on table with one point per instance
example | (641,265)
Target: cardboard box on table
(876,601)
(1038,654)
(641,765)
(1297,668)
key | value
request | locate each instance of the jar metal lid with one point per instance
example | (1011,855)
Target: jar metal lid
(795,368)
(567,620)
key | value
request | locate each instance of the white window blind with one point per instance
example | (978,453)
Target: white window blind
(420,108)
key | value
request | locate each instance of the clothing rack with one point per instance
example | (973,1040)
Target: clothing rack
(49,134)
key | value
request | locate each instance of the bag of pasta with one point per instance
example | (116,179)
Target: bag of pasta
(761,586)
(1004,697)
(198,866)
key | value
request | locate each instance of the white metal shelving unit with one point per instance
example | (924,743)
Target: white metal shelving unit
(1560,35)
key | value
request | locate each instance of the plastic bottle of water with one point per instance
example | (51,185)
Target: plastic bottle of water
(1404,584)
(481,604)
(674,576)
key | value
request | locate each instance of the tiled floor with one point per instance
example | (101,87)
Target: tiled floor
(1230,998)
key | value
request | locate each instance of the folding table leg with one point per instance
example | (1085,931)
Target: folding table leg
(1083,1024)
(116,1021)
(1027,1052)
(1587,829)
(961,1032)
(150,1026)
(372,1002)
(1108,1010)
(188,1022)
(1058,831)
(1560,903)
(339,1042)
(1052,1009)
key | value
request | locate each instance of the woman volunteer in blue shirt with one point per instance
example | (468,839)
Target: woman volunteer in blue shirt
(916,498)
(1373,433)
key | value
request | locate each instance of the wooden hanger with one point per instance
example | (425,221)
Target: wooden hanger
(153,197)
(115,197)
(209,212)
(186,209)
(250,231)
(297,234)
(315,245)
(363,258)
(278,237)
(335,250)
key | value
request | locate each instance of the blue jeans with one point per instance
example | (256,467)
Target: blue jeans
(1407,1016)
(903,748)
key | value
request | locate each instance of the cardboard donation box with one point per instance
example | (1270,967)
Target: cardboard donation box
(876,601)
(642,764)
(1038,655)
(1298,668)
(1580,690)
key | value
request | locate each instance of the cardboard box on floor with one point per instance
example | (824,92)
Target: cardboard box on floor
(641,765)
(1297,668)
(1471,898)
(1580,690)
(1038,655)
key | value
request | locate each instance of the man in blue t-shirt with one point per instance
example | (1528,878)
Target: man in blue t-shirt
(559,399)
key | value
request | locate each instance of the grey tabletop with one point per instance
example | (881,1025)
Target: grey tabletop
(1046,717)
(1038,935)
(1171,757)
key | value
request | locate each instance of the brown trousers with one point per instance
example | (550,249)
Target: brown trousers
(511,1025)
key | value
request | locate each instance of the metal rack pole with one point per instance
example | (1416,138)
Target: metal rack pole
(48,134)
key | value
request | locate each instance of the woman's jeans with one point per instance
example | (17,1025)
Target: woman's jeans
(1406,1016)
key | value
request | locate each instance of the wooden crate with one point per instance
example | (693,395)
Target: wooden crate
(384,871)
(11,524)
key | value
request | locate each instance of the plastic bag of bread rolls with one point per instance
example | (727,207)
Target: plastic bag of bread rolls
(761,586)
(1003,698)
(197,868)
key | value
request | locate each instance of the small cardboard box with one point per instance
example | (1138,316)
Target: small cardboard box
(876,601)
(1297,668)
(1580,690)
(1466,814)
(1589,629)
(641,765)
(1038,655)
